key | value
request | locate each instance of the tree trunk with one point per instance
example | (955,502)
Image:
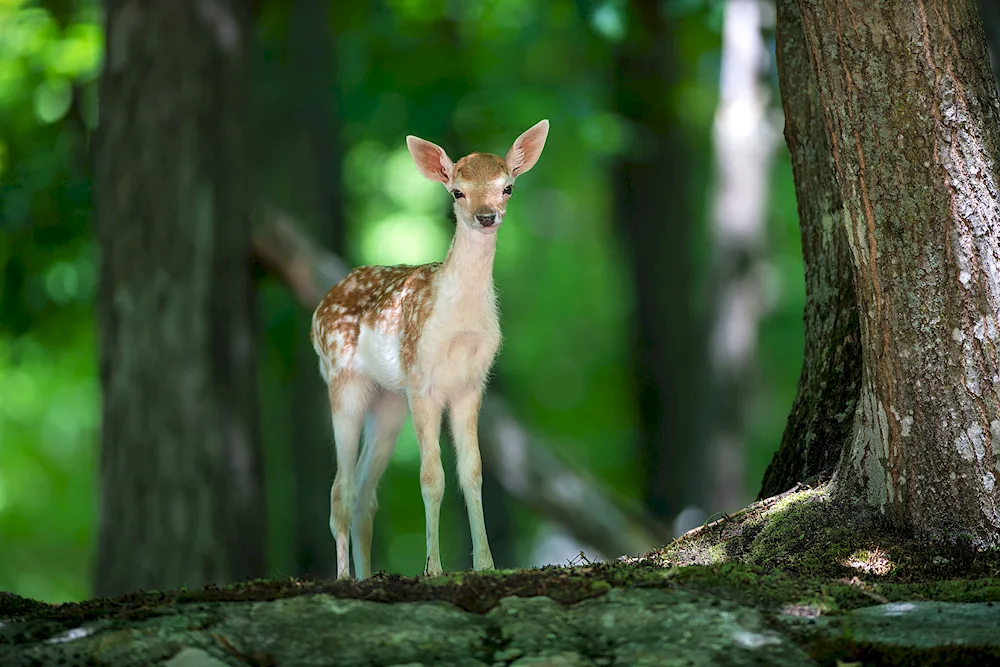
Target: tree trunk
(180,463)
(911,112)
(745,140)
(820,423)
(654,205)
(311,83)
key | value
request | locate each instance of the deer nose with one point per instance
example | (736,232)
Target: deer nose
(486,218)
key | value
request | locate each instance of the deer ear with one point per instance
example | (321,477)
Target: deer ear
(525,152)
(431,160)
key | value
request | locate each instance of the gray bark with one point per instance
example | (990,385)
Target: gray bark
(820,423)
(911,113)
(180,488)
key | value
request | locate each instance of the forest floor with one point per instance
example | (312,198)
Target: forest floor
(793,580)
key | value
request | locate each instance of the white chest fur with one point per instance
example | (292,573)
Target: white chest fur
(461,338)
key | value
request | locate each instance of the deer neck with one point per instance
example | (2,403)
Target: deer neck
(470,259)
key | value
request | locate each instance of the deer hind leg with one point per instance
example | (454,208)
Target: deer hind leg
(464,415)
(427,424)
(348,402)
(385,419)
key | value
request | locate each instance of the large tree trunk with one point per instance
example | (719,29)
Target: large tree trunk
(180,463)
(910,110)
(654,205)
(820,423)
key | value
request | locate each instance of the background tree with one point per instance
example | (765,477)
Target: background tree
(916,166)
(657,206)
(745,139)
(181,500)
(990,13)
(298,132)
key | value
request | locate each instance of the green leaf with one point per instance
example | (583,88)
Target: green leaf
(52,99)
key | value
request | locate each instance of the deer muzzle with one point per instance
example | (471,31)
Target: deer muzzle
(486,217)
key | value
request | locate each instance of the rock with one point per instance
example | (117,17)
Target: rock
(662,625)
(193,657)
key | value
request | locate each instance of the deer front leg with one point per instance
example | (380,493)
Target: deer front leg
(464,430)
(427,425)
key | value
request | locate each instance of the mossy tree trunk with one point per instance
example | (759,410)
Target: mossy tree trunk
(180,464)
(911,116)
(820,424)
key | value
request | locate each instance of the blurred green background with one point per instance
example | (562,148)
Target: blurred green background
(337,89)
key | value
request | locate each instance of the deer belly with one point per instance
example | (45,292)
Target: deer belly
(379,357)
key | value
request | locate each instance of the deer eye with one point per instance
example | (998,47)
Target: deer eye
(508,190)
(458,194)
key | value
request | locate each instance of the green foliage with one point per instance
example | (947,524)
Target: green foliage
(466,75)
(49,400)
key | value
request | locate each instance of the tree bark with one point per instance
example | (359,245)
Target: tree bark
(911,113)
(821,420)
(180,463)
(653,200)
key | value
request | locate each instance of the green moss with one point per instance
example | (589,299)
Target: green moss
(813,534)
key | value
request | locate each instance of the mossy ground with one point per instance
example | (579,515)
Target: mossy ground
(807,532)
(801,554)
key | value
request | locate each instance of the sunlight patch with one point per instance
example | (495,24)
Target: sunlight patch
(404,239)
(407,188)
(871,562)
(69,636)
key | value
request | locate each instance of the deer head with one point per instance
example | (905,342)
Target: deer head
(481,183)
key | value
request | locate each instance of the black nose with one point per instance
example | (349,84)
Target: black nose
(486,219)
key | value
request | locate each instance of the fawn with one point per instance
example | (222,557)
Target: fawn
(423,338)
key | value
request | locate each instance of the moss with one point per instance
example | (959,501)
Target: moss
(809,532)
